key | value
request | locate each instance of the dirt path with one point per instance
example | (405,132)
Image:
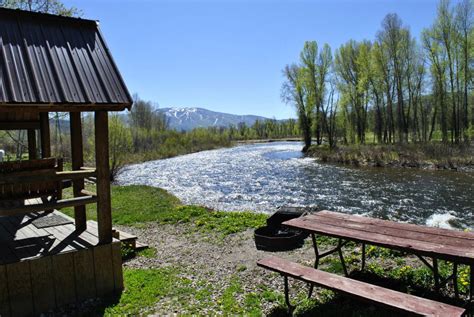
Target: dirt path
(208,257)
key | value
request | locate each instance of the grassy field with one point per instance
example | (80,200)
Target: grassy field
(137,205)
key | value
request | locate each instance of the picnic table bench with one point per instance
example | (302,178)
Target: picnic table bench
(424,242)
(397,301)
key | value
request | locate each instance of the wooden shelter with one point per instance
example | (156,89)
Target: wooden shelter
(55,64)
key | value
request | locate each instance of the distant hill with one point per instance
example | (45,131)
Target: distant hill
(190,118)
(183,119)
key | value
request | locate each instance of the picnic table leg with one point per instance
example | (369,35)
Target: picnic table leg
(287,295)
(363,256)
(316,250)
(455,280)
(471,287)
(316,262)
(436,274)
(341,256)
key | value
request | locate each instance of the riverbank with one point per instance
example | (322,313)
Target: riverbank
(203,262)
(258,141)
(426,156)
(194,146)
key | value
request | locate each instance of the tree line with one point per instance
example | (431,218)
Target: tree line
(144,134)
(395,88)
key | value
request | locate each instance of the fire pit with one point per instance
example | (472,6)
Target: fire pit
(275,237)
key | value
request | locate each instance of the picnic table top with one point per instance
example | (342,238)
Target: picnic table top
(451,245)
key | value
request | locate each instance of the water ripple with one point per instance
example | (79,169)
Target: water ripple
(264,176)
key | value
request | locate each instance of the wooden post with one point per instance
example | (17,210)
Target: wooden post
(45,135)
(31,144)
(104,210)
(77,159)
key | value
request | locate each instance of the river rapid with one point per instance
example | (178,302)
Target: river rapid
(262,177)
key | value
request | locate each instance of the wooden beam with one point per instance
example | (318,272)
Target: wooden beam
(77,163)
(81,174)
(45,135)
(19,125)
(26,177)
(32,144)
(63,203)
(85,192)
(104,210)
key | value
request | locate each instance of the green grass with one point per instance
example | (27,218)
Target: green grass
(143,288)
(149,252)
(137,205)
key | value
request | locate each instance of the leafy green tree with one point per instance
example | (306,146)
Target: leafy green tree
(44,6)
(120,144)
(295,91)
(352,70)
(464,21)
(395,38)
(438,64)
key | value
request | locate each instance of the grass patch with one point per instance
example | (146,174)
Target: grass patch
(143,288)
(146,288)
(249,303)
(228,300)
(149,252)
(136,205)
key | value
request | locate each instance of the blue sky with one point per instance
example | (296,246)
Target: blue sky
(228,55)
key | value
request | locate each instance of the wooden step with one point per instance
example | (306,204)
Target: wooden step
(140,246)
(124,237)
(378,295)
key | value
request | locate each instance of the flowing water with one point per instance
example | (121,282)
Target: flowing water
(264,176)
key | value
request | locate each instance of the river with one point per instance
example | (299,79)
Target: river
(262,177)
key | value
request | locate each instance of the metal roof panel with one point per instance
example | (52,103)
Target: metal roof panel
(46,59)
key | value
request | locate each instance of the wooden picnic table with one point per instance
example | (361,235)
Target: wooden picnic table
(424,242)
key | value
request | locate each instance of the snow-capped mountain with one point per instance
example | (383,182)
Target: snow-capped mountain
(190,118)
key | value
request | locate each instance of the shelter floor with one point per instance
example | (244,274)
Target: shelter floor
(22,238)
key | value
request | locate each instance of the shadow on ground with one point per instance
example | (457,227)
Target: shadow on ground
(338,305)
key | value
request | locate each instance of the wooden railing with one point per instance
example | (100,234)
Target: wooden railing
(42,175)
(18,185)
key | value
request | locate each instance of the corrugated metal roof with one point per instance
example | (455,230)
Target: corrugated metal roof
(47,59)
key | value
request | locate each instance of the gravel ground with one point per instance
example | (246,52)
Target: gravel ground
(212,258)
(212,263)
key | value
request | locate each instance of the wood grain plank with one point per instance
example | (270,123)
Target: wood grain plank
(31,144)
(64,279)
(19,287)
(7,254)
(84,274)
(394,231)
(117,267)
(378,295)
(398,225)
(4,297)
(45,135)
(77,163)
(104,275)
(450,253)
(60,243)
(63,203)
(104,209)
(43,285)
(19,239)
(84,238)
(90,235)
